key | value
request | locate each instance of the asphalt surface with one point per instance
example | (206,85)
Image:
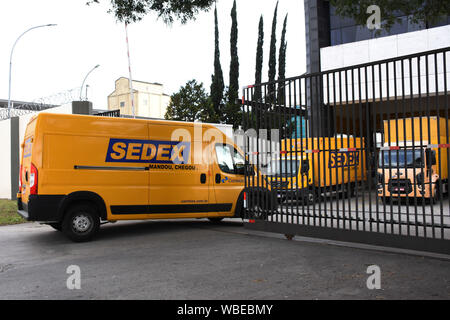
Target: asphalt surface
(200,260)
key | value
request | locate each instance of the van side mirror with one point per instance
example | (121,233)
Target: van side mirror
(305,167)
(249,170)
(430,156)
(239,169)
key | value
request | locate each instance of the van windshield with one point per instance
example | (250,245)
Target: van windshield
(283,167)
(401,159)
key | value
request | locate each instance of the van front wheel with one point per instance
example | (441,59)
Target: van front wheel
(81,222)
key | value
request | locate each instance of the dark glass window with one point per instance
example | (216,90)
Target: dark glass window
(442,22)
(400,26)
(344,30)
(415,26)
(363,33)
(349,34)
(336,37)
(335,20)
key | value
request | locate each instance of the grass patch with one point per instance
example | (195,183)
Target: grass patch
(8,213)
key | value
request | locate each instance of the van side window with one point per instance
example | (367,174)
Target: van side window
(229,159)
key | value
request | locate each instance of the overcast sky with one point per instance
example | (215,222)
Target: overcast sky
(47,61)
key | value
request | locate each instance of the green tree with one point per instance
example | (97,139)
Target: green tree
(217,83)
(191,103)
(272,57)
(233,114)
(259,59)
(168,10)
(282,62)
(427,12)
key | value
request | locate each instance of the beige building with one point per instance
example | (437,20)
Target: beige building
(149,99)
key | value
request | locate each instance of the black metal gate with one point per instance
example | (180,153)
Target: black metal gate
(355,154)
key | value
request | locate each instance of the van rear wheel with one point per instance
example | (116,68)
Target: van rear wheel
(437,196)
(81,222)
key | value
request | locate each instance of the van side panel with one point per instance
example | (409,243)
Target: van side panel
(331,165)
(75,159)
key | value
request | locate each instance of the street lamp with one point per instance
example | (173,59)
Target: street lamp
(10,62)
(82,85)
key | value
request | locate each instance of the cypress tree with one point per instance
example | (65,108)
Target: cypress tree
(259,58)
(282,62)
(217,84)
(233,111)
(272,57)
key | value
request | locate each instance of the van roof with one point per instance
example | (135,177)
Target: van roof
(161,121)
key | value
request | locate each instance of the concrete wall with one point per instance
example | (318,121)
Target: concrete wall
(5,159)
(361,52)
(12,132)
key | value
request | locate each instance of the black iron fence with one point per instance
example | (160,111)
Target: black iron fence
(112,113)
(355,154)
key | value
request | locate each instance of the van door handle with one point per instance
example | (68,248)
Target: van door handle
(218,178)
(203,178)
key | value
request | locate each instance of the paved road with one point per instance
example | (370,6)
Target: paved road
(200,260)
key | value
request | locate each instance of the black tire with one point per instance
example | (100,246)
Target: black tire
(239,210)
(262,205)
(385,200)
(437,196)
(56,225)
(81,222)
(350,191)
(310,198)
(215,220)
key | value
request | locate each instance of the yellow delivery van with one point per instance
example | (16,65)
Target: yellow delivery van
(313,166)
(413,161)
(78,171)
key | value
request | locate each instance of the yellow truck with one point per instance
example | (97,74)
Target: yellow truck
(290,176)
(410,164)
(310,167)
(77,171)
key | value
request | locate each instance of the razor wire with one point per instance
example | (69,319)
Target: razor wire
(44,103)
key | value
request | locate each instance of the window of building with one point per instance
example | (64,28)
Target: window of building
(336,37)
(344,30)
(122,104)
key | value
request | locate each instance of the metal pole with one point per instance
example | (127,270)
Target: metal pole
(84,80)
(10,63)
(129,70)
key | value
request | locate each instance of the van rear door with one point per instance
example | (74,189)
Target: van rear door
(28,173)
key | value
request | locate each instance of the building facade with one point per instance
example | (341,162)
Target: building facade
(149,99)
(334,43)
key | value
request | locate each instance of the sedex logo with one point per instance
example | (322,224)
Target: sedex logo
(148,151)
